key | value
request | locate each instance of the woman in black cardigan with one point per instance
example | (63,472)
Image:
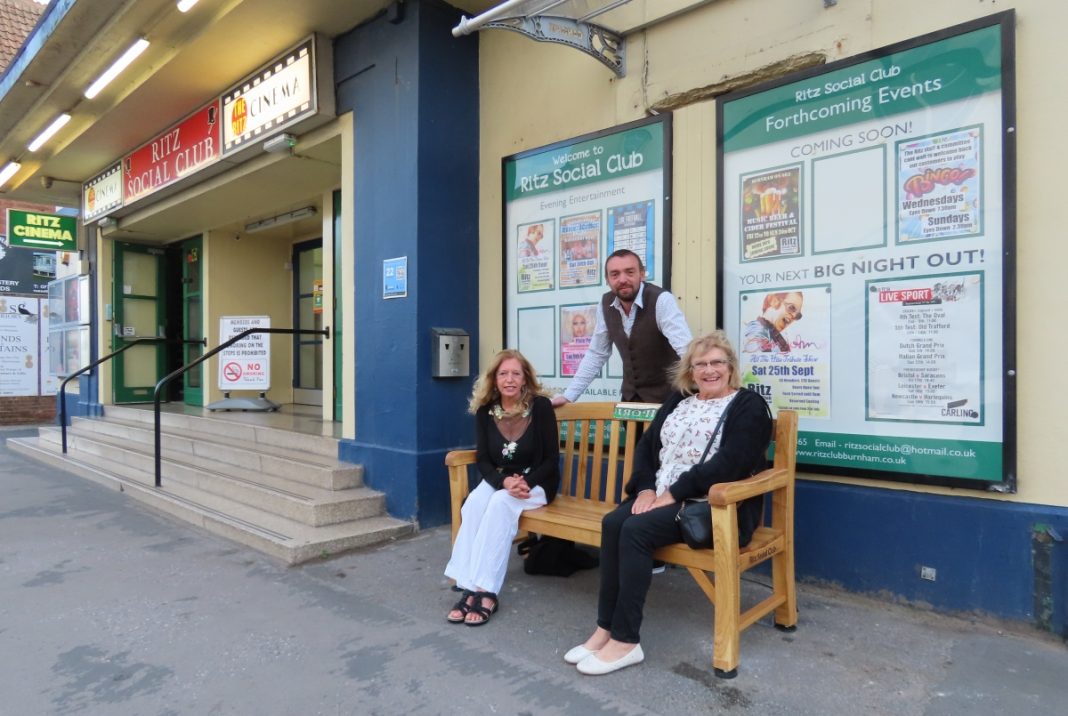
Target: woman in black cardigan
(518,456)
(671,465)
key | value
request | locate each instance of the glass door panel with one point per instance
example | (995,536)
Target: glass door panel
(308,315)
(138,305)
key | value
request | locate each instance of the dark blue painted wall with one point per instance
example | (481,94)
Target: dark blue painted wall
(413,91)
(876,540)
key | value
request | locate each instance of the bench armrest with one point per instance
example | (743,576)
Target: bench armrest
(457,462)
(726,493)
(457,458)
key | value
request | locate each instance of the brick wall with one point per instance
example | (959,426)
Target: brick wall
(28,409)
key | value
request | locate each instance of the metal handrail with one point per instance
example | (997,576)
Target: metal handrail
(217,349)
(98,361)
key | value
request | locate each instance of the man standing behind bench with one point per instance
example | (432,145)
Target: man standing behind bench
(644,323)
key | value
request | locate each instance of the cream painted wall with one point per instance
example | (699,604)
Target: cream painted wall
(249,277)
(348,276)
(534,94)
(105,252)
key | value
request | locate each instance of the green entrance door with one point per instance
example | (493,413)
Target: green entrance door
(192,321)
(308,315)
(138,312)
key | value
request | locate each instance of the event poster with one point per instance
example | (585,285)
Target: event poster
(630,227)
(535,256)
(576,328)
(923,365)
(863,239)
(580,250)
(567,207)
(785,348)
(940,185)
(20,346)
(771,214)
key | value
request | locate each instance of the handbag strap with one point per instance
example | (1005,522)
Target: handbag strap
(715,432)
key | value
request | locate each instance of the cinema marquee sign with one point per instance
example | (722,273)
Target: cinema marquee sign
(102,193)
(278,95)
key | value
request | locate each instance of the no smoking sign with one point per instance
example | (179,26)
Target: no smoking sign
(232,372)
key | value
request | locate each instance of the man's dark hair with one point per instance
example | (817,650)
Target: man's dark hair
(622,254)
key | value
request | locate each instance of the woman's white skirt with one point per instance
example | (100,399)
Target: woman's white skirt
(489,522)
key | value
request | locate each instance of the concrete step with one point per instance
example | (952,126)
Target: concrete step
(223,428)
(296,501)
(209,451)
(283,538)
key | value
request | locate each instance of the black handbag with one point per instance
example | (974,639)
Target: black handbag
(694,517)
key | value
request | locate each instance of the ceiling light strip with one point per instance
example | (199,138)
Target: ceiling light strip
(186,5)
(8,172)
(49,132)
(120,64)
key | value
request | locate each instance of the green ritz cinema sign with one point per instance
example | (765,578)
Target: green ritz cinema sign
(34,230)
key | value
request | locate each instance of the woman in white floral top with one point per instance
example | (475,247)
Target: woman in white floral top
(668,468)
(518,456)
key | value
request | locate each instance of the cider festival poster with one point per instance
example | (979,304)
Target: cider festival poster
(868,201)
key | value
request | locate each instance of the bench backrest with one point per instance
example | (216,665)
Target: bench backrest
(596,449)
(598,439)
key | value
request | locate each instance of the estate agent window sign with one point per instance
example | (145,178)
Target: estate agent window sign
(866,246)
(566,207)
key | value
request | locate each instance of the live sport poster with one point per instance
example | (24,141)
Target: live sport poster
(866,250)
(567,206)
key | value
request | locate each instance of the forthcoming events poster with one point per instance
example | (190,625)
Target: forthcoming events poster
(866,248)
(567,207)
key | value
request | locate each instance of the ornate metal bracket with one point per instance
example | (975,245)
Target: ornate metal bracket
(598,42)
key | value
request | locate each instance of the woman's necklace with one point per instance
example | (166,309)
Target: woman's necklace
(500,414)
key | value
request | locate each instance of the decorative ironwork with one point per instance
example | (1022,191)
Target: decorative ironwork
(598,42)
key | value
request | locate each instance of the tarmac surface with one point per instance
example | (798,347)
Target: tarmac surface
(107,607)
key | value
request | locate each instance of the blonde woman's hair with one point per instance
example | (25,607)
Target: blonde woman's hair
(485,391)
(682,372)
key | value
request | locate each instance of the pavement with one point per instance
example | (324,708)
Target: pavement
(107,607)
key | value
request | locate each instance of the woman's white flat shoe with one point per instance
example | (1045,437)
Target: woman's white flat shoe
(592,666)
(577,654)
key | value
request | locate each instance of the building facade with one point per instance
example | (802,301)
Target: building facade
(404,169)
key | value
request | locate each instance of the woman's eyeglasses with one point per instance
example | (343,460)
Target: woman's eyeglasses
(718,363)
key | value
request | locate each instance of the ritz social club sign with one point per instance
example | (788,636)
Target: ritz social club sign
(181,150)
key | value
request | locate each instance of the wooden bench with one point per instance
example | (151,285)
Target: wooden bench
(592,478)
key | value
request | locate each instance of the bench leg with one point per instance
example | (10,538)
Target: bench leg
(782,578)
(726,636)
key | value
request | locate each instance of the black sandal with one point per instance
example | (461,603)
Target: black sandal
(482,611)
(461,606)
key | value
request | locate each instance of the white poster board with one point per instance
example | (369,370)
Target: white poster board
(567,207)
(865,253)
(246,365)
